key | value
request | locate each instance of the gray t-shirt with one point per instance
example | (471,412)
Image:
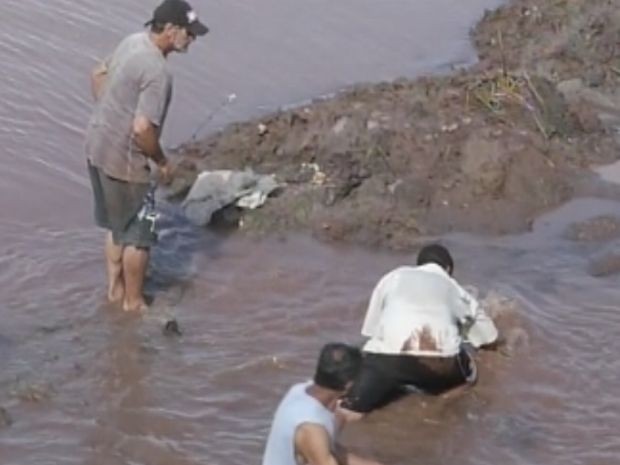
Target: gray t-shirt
(138,83)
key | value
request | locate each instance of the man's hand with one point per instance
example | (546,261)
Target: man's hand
(165,173)
(97,80)
(146,136)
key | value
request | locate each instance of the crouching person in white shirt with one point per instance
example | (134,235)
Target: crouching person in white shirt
(422,325)
(305,424)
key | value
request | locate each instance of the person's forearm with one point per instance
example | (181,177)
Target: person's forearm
(97,81)
(344,457)
(352,459)
(147,139)
(98,77)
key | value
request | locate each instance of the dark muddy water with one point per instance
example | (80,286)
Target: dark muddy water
(85,384)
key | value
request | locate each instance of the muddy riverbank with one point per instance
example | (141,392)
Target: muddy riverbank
(482,150)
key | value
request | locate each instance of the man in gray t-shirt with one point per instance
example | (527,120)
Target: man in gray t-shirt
(132,90)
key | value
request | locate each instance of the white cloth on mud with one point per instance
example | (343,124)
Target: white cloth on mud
(411,305)
(214,190)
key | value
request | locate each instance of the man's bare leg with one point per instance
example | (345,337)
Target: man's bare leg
(114,268)
(135,262)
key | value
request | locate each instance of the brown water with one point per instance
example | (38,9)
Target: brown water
(86,384)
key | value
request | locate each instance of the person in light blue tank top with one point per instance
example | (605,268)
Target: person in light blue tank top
(305,426)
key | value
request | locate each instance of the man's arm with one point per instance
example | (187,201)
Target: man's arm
(345,457)
(98,78)
(312,443)
(479,329)
(146,137)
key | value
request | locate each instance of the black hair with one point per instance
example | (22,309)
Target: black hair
(438,254)
(157,28)
(338,365)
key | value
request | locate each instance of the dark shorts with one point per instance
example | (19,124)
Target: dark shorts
(384,378)
(117,204)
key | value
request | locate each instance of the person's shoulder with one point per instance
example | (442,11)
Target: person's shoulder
(130,41)
(312,437)
(136,36)
(401,270)
(433,268)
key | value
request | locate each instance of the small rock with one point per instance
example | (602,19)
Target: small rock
(595,77)
(392,187)
(570,88)
(171,328)
(262,129)
(372,125)
(340,125)
(319,178)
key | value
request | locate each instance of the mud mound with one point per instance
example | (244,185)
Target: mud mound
(483,151)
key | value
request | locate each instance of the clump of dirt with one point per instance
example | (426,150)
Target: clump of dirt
(485,150)
(599,229)
(560,39)
(607,265)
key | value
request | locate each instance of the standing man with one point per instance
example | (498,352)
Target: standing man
(420,323)
(304,426)
(132,90)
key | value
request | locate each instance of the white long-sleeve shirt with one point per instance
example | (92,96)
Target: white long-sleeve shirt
(423,311)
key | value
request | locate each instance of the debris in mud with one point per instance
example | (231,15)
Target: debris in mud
(484,150)
(599,229)
(33,393)
(214,190)
(172,328)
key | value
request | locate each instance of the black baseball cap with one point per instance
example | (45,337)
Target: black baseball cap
(179,13)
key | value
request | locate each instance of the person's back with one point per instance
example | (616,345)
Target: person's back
(296,408)
(138,82)
(420,312)
(417,322)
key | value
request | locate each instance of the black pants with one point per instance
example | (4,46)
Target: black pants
(384,377)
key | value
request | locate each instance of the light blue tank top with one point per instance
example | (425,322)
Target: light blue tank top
(296,408)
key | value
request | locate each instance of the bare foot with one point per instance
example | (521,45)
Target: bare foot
(116,291)
(137,306)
